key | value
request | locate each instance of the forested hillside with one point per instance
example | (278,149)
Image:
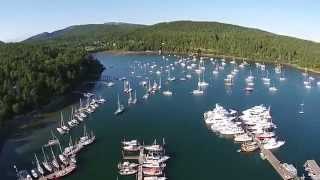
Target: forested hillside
(50,64)
(32,75)
(187,37)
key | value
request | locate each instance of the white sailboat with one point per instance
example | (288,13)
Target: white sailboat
(202,83)
(132,100)
(159,86)
(62,128)
(198,91)
(45,162)
(52,141)
(54,159)
(39,168)
(301,108)
(61,156)
(169,76)
(120,107)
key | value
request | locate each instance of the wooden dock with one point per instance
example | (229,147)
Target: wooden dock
(59,173)
(313,169)
(140,158)
(276,164)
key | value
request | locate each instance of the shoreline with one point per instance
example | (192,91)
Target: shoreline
(124,52)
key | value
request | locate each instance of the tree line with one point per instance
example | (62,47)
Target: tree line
(31,75)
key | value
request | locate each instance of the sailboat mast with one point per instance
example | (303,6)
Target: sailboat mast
(44,155)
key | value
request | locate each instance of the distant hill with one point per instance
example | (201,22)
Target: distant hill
(86,32)
(188,37)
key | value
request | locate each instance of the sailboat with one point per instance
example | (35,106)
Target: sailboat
(52,141)
(282,77)
(146,95)
(45,163)
(130,99)
(62,129)
(167,92)
(54,159)
(169,76)
(159,86)
(202,83)
(198,91)
(61,156)
(134,101)
(301,108)
(72,122)
(39,168)
(120,108)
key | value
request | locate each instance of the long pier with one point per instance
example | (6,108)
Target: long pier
(275,163)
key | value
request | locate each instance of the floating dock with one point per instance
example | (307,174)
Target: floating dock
(276,164)
(59,173)
(140,159)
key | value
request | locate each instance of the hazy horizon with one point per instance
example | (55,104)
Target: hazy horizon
(290,18)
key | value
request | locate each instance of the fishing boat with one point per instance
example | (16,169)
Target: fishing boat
(120,108)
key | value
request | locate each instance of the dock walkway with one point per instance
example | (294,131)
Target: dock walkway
(276,164)
(140,159)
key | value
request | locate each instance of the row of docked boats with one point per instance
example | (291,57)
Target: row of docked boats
(79,114)
(54,166)
(150,160)
(252,125)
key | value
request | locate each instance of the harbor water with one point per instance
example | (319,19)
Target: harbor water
(196,152)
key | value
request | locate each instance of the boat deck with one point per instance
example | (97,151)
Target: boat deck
(312,167)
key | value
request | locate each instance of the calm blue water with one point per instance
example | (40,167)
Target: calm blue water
(196,152)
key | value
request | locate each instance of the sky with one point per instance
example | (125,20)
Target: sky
(20,19)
